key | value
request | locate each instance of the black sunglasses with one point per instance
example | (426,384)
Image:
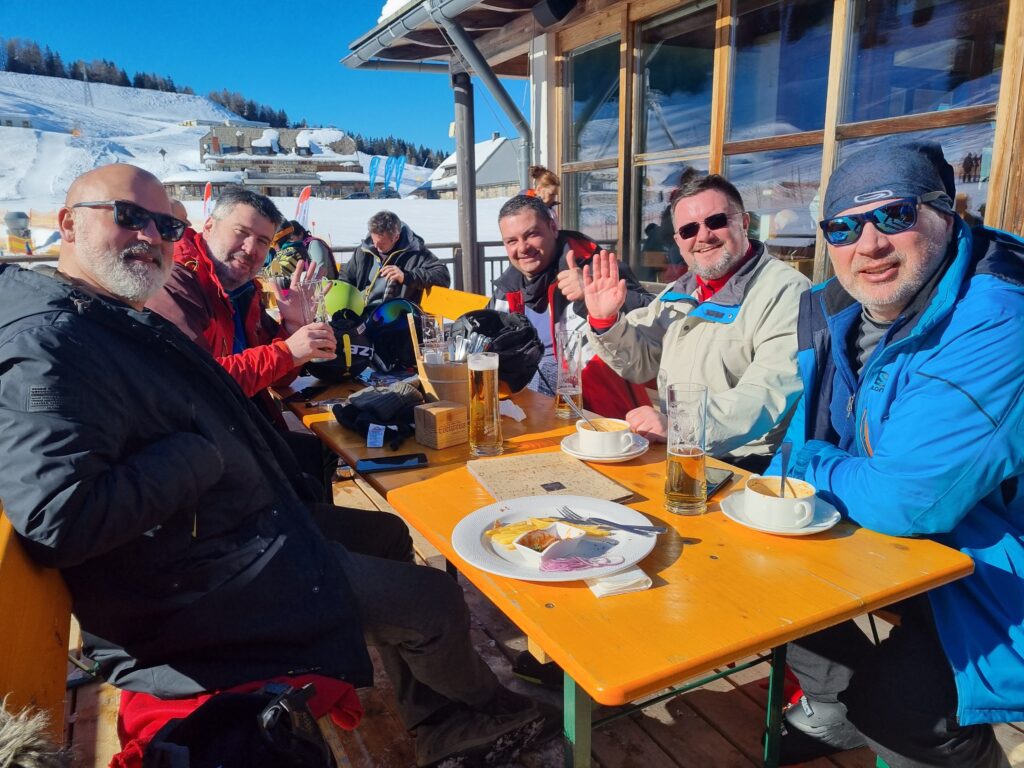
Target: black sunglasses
(714,221)
(889,219)
(135,217)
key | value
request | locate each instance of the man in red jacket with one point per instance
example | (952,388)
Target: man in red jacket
(213,298)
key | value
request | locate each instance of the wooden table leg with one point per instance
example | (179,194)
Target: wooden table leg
(577,707)
(773,718)
(450,568)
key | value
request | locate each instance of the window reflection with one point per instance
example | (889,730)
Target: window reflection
(781,68)
(922,56)
(780,190)
(676,65)
(591,203)
(659,259)
(593,86)
(968,148)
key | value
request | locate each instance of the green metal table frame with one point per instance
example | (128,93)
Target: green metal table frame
(578,710)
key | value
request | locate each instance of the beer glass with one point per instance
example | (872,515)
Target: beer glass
(685,481)
(484,418)
(432,343)
(569,381)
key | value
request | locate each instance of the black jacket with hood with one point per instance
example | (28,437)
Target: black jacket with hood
(421,267)
(136,465)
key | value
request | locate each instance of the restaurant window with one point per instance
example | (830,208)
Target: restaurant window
(590,203)
(593,87)
(676,67)
(923,56)
(659,260)
(780,72)
(968,148)
(780,190)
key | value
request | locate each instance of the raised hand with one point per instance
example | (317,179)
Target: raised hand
(315,340)
(570,279)
(603,290)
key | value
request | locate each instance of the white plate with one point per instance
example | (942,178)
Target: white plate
(571,445)
(476,548)
(825,516)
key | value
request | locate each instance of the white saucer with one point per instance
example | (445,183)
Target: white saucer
(825,516)
(571,445)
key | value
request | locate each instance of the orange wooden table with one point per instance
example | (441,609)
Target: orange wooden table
(540,429)
(721,592)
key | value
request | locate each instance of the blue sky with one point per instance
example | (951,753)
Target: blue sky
(281,54)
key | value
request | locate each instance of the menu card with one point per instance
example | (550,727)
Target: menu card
(543,474)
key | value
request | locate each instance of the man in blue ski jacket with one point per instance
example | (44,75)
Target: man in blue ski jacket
(912,423)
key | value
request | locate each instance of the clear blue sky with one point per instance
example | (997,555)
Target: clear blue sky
(285,55)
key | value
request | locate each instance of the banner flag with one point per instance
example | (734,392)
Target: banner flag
(389,170)
(302,207)
(206,198)
(399,170)
(374,166)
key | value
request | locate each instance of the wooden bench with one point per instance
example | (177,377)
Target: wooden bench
(450,303)
(36,607)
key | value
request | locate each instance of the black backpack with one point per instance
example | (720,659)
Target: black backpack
(269,728)
(510,335)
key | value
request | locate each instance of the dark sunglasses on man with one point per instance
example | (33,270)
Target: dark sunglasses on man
(135,217)
(889,218)
(714,221)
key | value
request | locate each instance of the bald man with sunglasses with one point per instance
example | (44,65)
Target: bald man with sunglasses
(912,424)
(137,466)
(729,323)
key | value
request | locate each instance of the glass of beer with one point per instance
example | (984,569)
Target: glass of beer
(569,380)
(484,417)
(685,483)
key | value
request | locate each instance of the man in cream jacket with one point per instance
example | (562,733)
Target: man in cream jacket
(728,323)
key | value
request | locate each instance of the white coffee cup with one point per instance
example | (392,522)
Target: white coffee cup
(611,438)
(763,505)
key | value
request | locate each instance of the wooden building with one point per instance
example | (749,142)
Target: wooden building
(628,95)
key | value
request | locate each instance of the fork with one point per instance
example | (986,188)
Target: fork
(644,530)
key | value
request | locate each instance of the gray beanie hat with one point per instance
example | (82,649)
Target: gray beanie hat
(891,170)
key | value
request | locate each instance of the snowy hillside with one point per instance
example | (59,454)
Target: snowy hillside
(58,104)
(132,126)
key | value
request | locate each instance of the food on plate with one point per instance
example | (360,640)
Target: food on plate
(538,541)
(505,534)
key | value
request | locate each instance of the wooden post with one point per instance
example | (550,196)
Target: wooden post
(1004,207)
(465,167)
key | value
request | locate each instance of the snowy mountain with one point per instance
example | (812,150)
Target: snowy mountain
(75,129)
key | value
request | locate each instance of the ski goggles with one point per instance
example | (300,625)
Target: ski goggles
(392,311)
(135,217)
(714,221)
(889,219)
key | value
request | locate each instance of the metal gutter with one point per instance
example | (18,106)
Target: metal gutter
(377,40)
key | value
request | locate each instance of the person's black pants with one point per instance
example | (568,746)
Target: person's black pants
(368,532)
(899,694)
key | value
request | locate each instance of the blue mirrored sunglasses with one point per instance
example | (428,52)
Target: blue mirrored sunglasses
(889,219)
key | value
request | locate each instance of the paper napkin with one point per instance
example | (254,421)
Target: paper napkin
(631,580)
(510,409)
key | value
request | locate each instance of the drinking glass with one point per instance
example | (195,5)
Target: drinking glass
(432,343)
(685,480)
(569,379)
(484,417)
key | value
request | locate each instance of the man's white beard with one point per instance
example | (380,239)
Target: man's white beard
(134,282)
(716,270)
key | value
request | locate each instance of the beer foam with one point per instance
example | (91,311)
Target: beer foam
(483,362)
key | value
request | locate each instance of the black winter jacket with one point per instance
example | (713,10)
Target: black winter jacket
(136,465)
(421,267)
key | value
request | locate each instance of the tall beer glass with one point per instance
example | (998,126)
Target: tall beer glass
(484,418)
(685,483)
(569,382)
